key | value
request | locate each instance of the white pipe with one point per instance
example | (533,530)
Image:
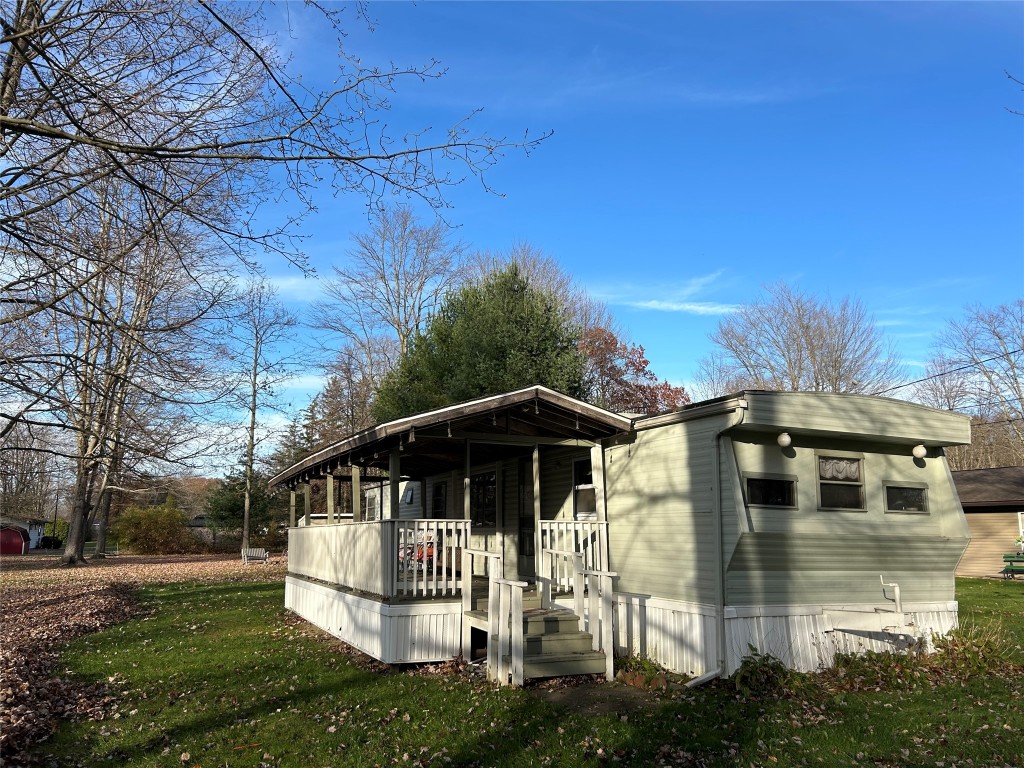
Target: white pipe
(719,538)
(707,677)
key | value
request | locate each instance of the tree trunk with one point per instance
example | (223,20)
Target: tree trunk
(103,517)
(74,548)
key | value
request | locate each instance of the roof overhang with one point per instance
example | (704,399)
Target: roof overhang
(435,441)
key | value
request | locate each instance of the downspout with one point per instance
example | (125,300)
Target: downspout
(720,537)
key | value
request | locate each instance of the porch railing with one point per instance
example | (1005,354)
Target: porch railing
(504,623)
(385,558)
(429,556)
(593,598)
(588,539)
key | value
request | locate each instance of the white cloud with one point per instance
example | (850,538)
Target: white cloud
(683,297)
(688,307)
(307,381)
(297,287)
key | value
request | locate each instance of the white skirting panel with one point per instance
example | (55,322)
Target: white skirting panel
(928,620)
(682,637)
(798,640)
(806,638)
(395,634)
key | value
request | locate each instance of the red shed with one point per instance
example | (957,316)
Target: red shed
(13,540)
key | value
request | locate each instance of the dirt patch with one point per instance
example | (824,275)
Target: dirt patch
(592,695)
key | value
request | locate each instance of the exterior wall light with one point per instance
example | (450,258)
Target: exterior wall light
(784,440)
(920,451)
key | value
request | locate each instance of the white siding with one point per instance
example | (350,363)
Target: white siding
(660,494)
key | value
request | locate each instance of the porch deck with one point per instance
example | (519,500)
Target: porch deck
(413,590)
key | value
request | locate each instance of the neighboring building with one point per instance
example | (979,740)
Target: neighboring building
(799,524)
(993,502)
(33,528)
(13,540)
(410,495)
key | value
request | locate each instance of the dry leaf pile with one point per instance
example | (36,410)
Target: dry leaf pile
(45,606)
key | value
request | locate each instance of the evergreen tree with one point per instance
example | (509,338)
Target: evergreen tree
(225,506)
(493,336)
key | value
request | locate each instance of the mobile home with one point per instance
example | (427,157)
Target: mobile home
(800,524)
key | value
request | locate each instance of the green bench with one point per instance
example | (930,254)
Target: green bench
(1013,565)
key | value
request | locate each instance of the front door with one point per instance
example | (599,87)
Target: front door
(527,527)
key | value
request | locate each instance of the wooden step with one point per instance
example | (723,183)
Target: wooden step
(531,601)
(558,643)
(549,621)
(561,664)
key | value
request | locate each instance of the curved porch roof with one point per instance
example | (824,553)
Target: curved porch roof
(434,441)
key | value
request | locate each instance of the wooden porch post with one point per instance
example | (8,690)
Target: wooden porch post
(465,488)
(330,498)
(538,559)
(357,497)
(306,504)
(394,477)
(450,498)
(291,509)
(597,473)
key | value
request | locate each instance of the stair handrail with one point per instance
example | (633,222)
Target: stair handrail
(601,615)
(505,647)
(547,576)
(593,600)
(495,568)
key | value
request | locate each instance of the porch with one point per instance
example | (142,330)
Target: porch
(408,591)
(511,489)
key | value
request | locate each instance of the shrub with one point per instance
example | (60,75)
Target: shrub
(973,650)
(157,530)
(761,674)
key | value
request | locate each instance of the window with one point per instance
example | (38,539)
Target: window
(903,498)
(409,494)
(483,500)
(840,483)
(584,498)
(439,500)
(771,492)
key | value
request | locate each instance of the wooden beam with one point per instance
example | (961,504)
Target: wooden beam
(291,509)
(597,473)
(306,504)
(494,439)
(357,496)
(465,487)
(536,511)
(394,478)
(330,499)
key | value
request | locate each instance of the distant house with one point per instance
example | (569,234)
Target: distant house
(993,503)
(556,533)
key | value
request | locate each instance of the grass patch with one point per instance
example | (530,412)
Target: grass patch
(221,675)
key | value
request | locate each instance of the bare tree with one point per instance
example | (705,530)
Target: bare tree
(547,274)
(394,278)
(29,473)
(97,89)
(263,327)
(978,369)
(128,354)
(789,340)
(171,123)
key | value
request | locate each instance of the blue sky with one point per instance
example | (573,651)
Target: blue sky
(703,150)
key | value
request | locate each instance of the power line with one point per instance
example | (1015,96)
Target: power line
(947,373)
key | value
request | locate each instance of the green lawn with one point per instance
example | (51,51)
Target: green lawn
(221,675)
